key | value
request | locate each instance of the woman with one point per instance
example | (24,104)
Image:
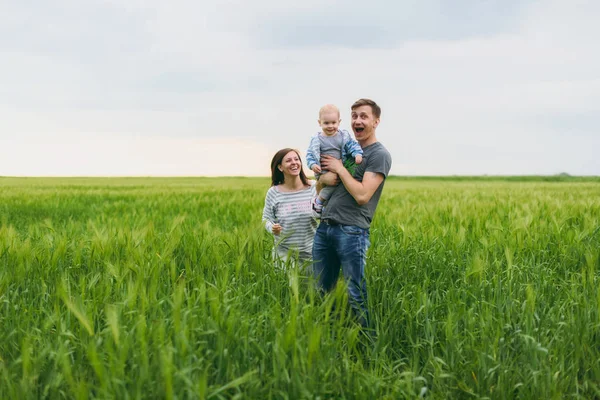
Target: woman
(288,213)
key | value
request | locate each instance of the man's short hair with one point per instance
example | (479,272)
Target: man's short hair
(368,102)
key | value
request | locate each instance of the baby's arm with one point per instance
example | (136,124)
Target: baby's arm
(313,154)
(353,149)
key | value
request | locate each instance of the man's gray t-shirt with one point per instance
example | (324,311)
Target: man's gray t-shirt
(342,208)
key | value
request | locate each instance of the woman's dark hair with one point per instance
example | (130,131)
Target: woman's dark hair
(277,177)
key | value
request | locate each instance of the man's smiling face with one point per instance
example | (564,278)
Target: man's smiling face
(363,123)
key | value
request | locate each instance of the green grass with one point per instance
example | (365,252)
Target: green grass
(163,288)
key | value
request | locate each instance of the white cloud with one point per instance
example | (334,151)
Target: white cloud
(522,98)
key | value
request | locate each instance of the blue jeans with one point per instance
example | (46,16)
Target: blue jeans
(345,246)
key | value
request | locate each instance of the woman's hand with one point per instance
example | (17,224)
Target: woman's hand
(276,229)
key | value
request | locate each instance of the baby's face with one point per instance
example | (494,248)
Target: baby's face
(329,122)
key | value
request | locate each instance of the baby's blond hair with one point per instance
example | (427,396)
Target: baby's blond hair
(327,108)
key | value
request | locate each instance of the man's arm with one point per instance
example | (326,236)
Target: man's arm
(361,191)
(327,179)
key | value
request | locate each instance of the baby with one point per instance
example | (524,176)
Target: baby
(334,142)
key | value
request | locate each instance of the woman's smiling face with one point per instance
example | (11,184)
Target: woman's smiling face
(291,165)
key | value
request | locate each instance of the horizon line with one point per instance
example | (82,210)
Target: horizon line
(559,175)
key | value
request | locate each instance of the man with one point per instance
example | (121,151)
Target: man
(342,238)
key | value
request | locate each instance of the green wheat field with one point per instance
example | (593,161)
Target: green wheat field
(164,288)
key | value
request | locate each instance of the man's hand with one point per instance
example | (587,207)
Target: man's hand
(276,229)
(358,159)
(316,169)
(329,179)
(332,164)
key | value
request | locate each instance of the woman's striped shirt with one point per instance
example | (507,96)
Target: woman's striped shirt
(293,211)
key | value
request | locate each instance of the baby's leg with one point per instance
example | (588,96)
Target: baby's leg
(323,196)
(318,177)
(326,192)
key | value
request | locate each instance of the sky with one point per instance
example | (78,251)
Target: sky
(216,87)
